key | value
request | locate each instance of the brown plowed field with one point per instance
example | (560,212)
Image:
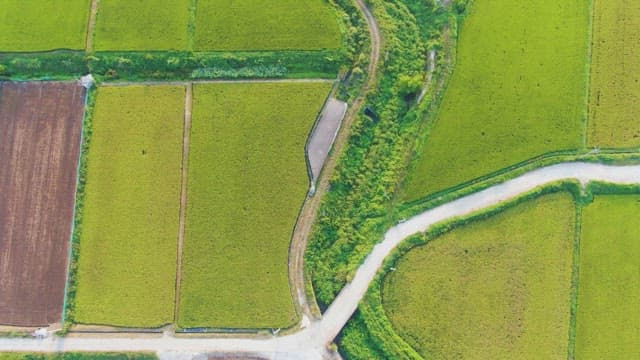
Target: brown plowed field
(40,126)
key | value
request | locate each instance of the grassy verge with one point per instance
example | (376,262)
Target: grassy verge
(608,315)
(614,115)
(518,91)
(127,260)
(43,25)
(247,181)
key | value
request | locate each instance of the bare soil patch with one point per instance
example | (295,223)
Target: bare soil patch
(40,127)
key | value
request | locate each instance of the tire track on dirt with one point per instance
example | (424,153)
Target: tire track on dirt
(186,142)
(93,13)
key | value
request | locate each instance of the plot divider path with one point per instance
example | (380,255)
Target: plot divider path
(92,24)
(212,81)
(186,142)
(311,342)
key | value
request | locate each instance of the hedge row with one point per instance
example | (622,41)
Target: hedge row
(172,65)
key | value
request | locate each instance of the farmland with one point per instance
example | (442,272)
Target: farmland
(608,321)
(615,75)
(40,126)
(142,25)
(223,25)
(518,91)
(495,289)
(43,25)
(246,183)
(127,261)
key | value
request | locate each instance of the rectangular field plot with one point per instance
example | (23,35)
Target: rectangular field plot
(247,182)
(518,91)
(40,127)
(608,321)
(128,247)
(266,25)
(498,288)
(614,116)
(142,25)
(29,25)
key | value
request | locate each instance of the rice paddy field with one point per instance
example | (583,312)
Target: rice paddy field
(246,184)
(608,319)
(615,75)
(518,91)
(499,288)
(223,25)
(27,26)
(142,25)
(127,261)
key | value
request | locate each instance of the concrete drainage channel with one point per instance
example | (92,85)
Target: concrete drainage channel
(322,138)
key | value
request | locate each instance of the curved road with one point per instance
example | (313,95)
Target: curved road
(310,343)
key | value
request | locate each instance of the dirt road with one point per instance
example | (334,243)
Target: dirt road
(307,217)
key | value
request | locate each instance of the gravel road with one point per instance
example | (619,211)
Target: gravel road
(311,342)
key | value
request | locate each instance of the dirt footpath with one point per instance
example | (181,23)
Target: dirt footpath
(40,127)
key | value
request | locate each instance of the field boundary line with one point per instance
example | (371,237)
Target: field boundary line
(186,142)
(213,81)
(589,65)
(93,14)
(76,201)
(575,283)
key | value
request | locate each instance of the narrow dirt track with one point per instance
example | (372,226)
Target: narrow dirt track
(186,143)
(312,204)
(311,342)
(93,13)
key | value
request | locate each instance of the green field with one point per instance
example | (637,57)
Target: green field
(518,91)
(247,182)
(495,289)
(259,25)
(608,321)
(142,25)
(127,261)
(614,109)
(43,25)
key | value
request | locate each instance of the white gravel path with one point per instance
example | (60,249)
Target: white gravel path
(311,342)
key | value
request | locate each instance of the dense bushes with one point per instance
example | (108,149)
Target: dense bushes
(353,214)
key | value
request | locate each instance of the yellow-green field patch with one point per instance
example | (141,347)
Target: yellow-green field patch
(127,261)
(29,25)
(494,289)
(226,25)
(518,91)
(608,321)
(614,106)
(142,25)
(247,182)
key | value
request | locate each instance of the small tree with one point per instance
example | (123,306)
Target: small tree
(409,86)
